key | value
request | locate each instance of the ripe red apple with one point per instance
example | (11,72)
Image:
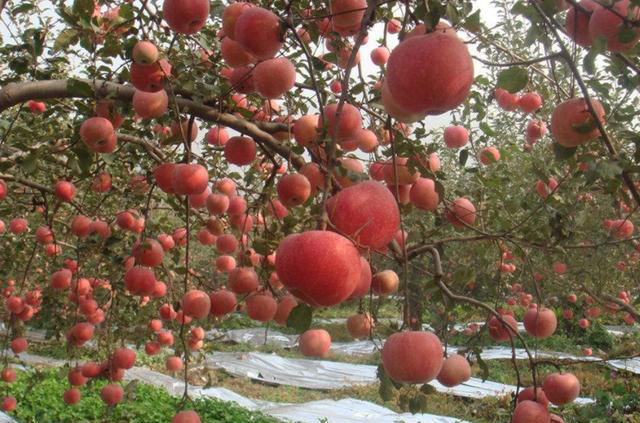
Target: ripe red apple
(577,22)
(455,370)
(561,388)
(189,179)
(385,282)
(349,166)
(185,16)
(36,107)
(423,194)
(112,394)
(319,279)
(538,395)
(293,189)
(123,358)
(44,235)
(258,31)
(61,279)
(461,212)
(174,364)
(149,105)
(8,375)
(430,73)
(226,244)
(540,323)
(305,129)
(186,416)
(98,134)
(572,124)
(489,155)
(230,16)
(530,102)
(149,253)
(380,56)
(261,307)
(145,53)
(498,331)
(545,189)
(140,281)
(18,226)
(366,211)
(274,77)
(506,100)
(607,24)
(412,357)
(314,343)
(530,412)
(360,325)
(285,305)
(349,124)
(222,302)
(456,136)
(234,54)
(240,151)
(101,183)
(9,403)
(150,78)
(196,304)
(217,136)
(72,396)
(19,345)
(365,280)
(243,280)
(347,15)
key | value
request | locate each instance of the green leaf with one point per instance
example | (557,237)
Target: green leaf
(300,318)
(66,38)
(513,79)
(79,88)
(589,61)
(126,11)
(626,34)
(83,8)
(586,126)
(484,126)
(562,152)
(472,23)
(483,365)
(30,162)
(418,403)
(464,155)
(427,389)
(22,8)
(85,160)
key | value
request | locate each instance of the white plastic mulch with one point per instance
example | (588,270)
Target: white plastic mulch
(322,374)
(347,410)
(256,336)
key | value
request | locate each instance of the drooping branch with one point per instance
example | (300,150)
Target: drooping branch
(27,183)
(17,93)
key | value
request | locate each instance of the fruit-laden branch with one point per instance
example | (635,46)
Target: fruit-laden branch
(155,153)
(16,93)
(42,188)
(604,298)
(553,24)
(437,276)
(417,250)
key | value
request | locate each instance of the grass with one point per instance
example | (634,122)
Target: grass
(39,396)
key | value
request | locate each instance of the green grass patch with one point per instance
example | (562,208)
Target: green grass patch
(39,396)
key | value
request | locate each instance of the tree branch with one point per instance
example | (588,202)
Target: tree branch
(16,93)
